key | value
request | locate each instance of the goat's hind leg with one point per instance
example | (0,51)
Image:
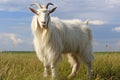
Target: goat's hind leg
(73,60)
(89,71)
(89,67)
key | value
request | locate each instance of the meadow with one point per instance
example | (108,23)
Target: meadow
(26,66)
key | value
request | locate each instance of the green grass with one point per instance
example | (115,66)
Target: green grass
(25,66)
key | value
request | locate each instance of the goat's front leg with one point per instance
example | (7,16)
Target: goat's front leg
(46,70)
(53,68)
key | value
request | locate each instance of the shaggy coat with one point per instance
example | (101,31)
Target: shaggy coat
(62,36)
(53,36)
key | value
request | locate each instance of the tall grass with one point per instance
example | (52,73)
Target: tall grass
(27,67)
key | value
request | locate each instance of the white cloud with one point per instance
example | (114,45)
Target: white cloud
(113,3)
(19,5)
(13,5)
(97,22)
(10,36)
(116,29)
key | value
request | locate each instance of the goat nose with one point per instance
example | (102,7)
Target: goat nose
(43,22)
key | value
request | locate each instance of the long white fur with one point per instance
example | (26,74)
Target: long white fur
(62,36)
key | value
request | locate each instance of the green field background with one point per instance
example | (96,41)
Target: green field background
(26,66)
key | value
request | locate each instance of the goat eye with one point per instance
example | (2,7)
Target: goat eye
(37,12)
(48,14)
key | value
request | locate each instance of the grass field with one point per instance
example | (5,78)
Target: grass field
(26,66)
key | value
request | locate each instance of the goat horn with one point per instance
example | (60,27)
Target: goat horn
(46,6)
(37,4)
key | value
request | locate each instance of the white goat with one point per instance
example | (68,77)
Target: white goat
(52,37)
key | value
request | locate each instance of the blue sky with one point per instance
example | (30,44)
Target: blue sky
(103,15)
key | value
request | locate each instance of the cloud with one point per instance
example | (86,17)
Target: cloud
(113,3)
(97,22)
(116,29)
(10,36)
(93,9)
(20,5)
(13,5)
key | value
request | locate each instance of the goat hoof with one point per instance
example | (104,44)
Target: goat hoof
(45,74)
(55,78)
(71,76)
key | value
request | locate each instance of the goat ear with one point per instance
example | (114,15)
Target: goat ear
(33,10)
(35,23)
(52,10)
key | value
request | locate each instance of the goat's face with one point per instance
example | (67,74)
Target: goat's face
(43,14)
(43,17)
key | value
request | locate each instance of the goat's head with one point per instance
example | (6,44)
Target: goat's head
(43,14)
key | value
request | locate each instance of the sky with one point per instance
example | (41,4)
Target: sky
(103,15)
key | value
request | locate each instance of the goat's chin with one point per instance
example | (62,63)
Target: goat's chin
(44,27)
